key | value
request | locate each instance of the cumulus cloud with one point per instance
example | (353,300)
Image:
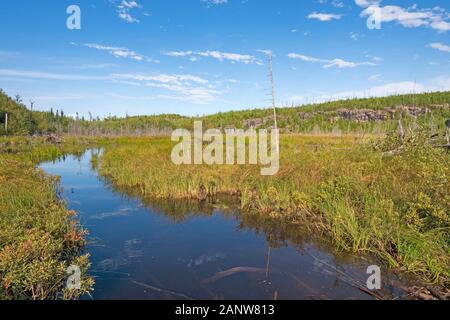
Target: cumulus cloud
(412,17)
(440,46)
(324,16)
(339,63)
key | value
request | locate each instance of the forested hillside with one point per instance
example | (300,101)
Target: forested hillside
(22,121)
(372,115)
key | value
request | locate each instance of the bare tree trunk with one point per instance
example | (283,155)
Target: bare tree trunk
(274,106)
(6,123)
(272,84)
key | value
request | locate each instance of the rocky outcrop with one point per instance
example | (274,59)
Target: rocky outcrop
(364,115)
(413,111)
(253,123)
(350,114)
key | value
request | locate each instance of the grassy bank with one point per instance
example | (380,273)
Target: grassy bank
(39,237)
(395,207)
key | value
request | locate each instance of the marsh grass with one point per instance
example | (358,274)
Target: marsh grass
(344,188)
(39,237)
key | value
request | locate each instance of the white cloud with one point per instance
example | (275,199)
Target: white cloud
(179,53)
(234,57)
(267,52)
(375,58)
(129,4)
(337,4)
(411,17)
(440,46)
(324,16)
(347,64)
(340,63)
(354,36)
(221,56)
(124,9)
(334,3)
(176,79)
(303,57)
(210,3)
(440,25)
(186,87)
(119,52)
(367,3)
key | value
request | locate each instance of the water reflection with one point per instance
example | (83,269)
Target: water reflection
(154,249)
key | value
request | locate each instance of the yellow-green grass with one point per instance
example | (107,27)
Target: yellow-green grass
(39,237)
(395,207)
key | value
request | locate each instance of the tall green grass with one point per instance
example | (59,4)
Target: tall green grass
(39,237)
(395,207)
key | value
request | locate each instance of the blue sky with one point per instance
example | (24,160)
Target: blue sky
(203,56)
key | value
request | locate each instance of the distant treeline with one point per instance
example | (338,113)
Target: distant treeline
(23,121)
(370,115)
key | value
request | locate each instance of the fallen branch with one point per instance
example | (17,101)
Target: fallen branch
(230,272)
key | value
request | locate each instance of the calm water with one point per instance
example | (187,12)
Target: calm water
(173,250)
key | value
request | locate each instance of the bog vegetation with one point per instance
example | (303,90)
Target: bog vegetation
(352,190)
(356,192)
(360,184)
(39,237)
